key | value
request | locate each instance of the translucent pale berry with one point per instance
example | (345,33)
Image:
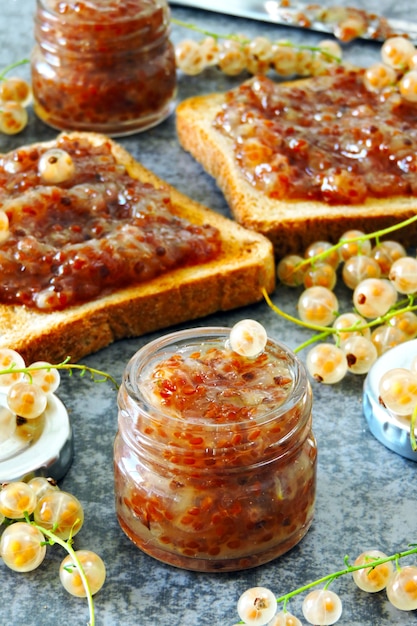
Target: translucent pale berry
(15,89)
(248,338)
(353,244)
(372,579)
(402,589)
(258,54)
(232,60)
(374,297)
(327,363)
(324,252)
(210,50)
(385,337)
(16,498)
(396,52)
(284,58)
(322,606)
(61,512)
(398,390)
(93,567)
(406,322)
(346,323)
(403,274)
(21,547)
(361,354)
(289,271)
(10,360)
(386,253)
(190,57)
(44,376)
(318,305)
(378,76)
(7,424)
(26,400)
(408,86)
(40,485)
(321,274)
(13,117)
(56,166)
(257,606)
(285,619)
(358,268)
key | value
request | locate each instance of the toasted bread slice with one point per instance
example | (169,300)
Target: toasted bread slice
(235,278)
(290,224)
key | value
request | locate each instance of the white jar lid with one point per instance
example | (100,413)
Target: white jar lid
(390,430)
(48,454)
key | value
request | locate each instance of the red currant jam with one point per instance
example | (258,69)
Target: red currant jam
(105,66)
(215,460)
(328,139)
(97,231)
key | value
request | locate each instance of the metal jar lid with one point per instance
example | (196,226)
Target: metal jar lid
(42,447)
(392,431)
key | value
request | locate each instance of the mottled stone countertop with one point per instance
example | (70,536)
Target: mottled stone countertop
(365,493)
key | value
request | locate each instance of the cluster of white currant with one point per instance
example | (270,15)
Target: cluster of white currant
(37,513)
(236,54)
(378,275)
(15,95)
(397,69)
(372,571)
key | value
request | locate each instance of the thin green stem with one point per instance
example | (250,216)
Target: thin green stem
(97,376)
(349,569)
(11,67)
(244,40)
(67,545)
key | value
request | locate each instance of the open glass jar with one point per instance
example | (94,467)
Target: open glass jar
(215,460)
(105,66)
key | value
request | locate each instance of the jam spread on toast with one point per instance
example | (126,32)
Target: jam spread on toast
(326,139)
(96,231)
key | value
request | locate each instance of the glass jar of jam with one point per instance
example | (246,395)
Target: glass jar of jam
(215,460)
(105,66)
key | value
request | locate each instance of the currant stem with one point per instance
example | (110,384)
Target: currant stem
(347,570)
(243,40)
(11,67)
(97,376)
(67,545)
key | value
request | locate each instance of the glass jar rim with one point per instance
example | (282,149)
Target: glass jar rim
(144,355)
(100,8)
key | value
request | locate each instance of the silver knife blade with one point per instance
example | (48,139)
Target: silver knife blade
(301,15)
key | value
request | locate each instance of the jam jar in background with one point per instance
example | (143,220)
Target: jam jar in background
(105,66)
(215,460)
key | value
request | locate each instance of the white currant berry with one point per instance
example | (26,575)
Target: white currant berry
(27,400)
(361,354)
(61,512)
(359,267)
(398,391)
(17,498)
(379,76)
(397,52)
(374,297)
(47,377)
(248,338)
(22,547)
(232,60)
(289,271)
(10,360)
(373,578)
(318,305)
(15,89)
(406,322)
(257,606)
(350,321)
(284,619)
(403,274)
(321,274)
(322,606)
(190,57)
(94,570)
(385,337)
(327,363)
(13,117)
(56,166)
(402,589)
(385,253)
(326,251)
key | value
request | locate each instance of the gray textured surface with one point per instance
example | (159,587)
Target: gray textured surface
(366,495)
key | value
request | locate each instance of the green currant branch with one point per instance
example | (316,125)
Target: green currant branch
(243,41)
(348,569)
(96,375)
(67,545)
(10,67)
